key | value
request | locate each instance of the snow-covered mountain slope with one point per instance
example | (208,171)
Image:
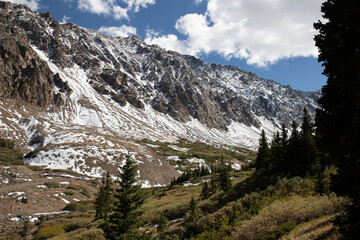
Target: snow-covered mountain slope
(79,99)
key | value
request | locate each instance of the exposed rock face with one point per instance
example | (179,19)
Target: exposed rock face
(24,76)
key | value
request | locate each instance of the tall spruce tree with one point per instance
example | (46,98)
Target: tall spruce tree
(125,220)
(99,200)
(293,152)
(338,120)
(263,153)
(276,160)
(103,201)
(225,182)
(308,148)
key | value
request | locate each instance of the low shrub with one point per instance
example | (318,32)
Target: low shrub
(86,194)
(278,232)
(49,231)
(69,192)
(35,168)
(52,184)
(81,206)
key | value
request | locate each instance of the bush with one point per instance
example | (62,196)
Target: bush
(69,192)
(81,206)
(49,231)
(278,232)
(81,234)
(34,168)
(6,143)
(52,184)
(86,194)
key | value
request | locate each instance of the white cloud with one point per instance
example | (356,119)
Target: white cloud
(65,19)
(32,4)
(95,6)
(136,4)
(170,42)
(197,2)
(260,31)
(123,31)
(112,8)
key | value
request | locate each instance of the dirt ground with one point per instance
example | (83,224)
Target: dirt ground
(27,194)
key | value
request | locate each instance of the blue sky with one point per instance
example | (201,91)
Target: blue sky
(272,38)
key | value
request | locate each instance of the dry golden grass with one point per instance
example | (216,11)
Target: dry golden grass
(321,228)
(296,208)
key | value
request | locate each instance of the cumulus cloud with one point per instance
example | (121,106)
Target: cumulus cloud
(260,31)
(170,42)
(112,8)
(123,31)
(33,4)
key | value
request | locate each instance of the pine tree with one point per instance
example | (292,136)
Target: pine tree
(205,192)
(338,120)
(275,154)
(308,150)
(263,153)
(225,182)
(292,158)
(163,223)
(99,200)
(108,196)
(213,184)
(125,220)
(103,201)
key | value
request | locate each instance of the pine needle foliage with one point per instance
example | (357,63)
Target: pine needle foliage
(125,220)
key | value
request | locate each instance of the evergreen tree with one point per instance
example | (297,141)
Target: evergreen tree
(263,153)
(108,198)
(125,220)
(308,150)
(205,192)
(225,182)
(103,201)
(275,154)
(213,184)
(338,120)
(99,200)
(292,157)
(163,223)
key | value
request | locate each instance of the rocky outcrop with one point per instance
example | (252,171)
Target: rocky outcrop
(23,76)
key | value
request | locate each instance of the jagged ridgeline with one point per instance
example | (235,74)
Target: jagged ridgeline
(75,98)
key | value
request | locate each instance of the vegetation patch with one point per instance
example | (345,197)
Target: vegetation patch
(81,206)
(52,184)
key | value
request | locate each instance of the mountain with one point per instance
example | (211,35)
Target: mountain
(74,98)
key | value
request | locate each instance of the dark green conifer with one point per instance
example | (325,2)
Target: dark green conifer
(338,120)
(225,182)
(205,192)
(125,220)
(103,201)
(263,153)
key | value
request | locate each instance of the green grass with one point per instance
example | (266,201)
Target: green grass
(210,154)
(175,202)
(11,156)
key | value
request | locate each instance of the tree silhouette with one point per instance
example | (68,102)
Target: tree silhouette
(338,120)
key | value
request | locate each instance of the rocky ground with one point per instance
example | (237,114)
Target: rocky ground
(28,194)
